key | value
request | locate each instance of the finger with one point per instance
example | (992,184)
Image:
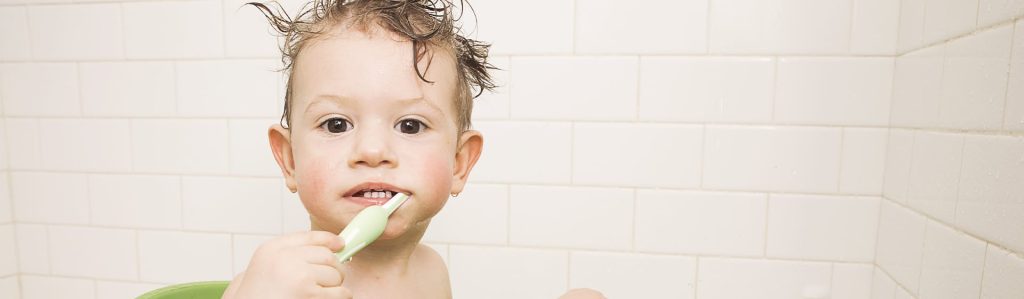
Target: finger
(325,276)
(337,292)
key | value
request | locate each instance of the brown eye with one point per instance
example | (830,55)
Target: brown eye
(337,125)
(410,126)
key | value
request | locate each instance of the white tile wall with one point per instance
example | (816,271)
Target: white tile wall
(170,146)
(22,143)
(706,89)
(233,88)
(489,272)
(213,204)
(39,89)
(863,161)
(945,19)
(480,215)
(874,27)
(798,159)
(841,91)
(93,252)
(934,172)
(14,29)
(822,227)
(915,100)
(574,88)
(900,244)
(6,215)
(974,80)
(47,287)
(8,251)
(951,266)
(249,148)
(779,26)
(882,286)
(500,23)
(173,29)
(127,88)
(160,256)
(898,158)
(512,153)
(991,12)
(644,27)
(1003,273)
(768,279)
(620,275)
(136,201)
(36,199)
(242,249)
(118,289)
(10,287)
(76,32)
(989,198)
(85,144)
(495,105)
(571,217)
(293,214)
(33,248)
(850,281)
(1014,117)
(700,222)
(246,31)
(647,155)
(911,29)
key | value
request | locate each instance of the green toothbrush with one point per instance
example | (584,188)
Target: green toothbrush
(367,226)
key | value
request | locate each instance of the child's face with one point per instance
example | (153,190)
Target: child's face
(361,119)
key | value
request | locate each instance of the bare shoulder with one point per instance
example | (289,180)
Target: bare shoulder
(582,294)
(233,286)
(434,272)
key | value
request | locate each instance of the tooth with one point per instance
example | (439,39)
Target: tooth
(378,194)
(387,194)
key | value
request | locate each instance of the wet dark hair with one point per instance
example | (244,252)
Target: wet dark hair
(429,24)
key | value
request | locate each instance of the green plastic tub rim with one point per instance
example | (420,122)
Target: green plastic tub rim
(191,290)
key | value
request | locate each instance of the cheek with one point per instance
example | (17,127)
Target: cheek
(437,173)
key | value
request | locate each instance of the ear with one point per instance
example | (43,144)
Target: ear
(281,145)
(470,146)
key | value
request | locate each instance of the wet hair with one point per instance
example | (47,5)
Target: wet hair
(429,24)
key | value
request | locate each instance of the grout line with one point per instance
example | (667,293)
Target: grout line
(775,86)
(508,215)
(767,208)
(842,151)
(138,256)
(959,176)
(696,276)
(707,35)
(984,261)
(636,93)
(849,32)
(832,276)
(703,155)
(636,202)
(1009,71)
(572,153)
(572,29)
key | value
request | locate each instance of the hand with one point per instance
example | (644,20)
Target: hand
(299,265)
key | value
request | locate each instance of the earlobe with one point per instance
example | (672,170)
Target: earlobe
(280,145)
(470,147)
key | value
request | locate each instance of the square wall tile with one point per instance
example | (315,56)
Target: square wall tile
(1014,116)
(951,265)
(8,250)
(133,89)
(991,12)
(550,30)
(538,217)
(1003,273)
(22,143)
(900,244)
(834,91)
(14,29)
(10,287)
(135,201)
(249,146)
(628,275)
(882,286)
(707,89)
(945,19)
(33,248)
(39,89)
(974,80)
(574,88)
(643,27)
(511,154)
(911,30)
(94,252)
(779,26)
(212,203)
(934,172)
(863,161)
(177,257)
(708,223)
(652,155)
(915,98)
(799,159)
(85,144)
(231,88)
(817,227)
(174,29)
(851,281)
(494,105)
(6,214)
(874,27)
(293,214)
(478,216)
(991,198)
(169,145)
(485,272)
(898,158)
(76,32)
(49,287)
(36,199)
(767,279)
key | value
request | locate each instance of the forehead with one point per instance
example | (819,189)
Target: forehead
(375,66)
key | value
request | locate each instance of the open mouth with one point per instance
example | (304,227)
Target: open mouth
(373,193)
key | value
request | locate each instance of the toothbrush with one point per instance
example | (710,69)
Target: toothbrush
(367,226)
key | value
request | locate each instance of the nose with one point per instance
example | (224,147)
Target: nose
(372,149)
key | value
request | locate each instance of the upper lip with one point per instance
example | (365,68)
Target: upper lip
(373,186)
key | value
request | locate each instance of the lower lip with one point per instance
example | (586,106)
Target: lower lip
(366,201)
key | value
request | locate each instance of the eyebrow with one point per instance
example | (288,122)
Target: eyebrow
(345,100)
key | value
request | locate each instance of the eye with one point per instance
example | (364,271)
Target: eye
(410,126)
(336,125)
